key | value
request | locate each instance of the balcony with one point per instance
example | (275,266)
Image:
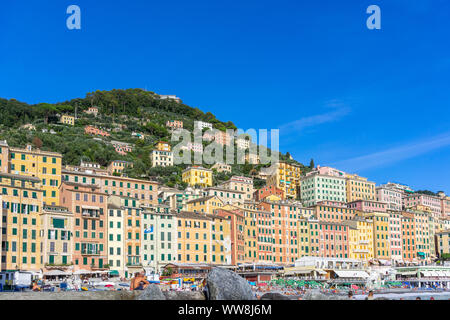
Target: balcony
(90,213)
(90,249)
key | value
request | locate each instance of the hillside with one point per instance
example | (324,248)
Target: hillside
(121,112)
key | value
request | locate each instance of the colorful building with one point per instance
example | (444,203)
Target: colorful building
(237,234)
(57,239)
(240,184)
(266,191)
(286,177)
(329,211)
(174,124)
(381,240)
(395,235)
(116,167)
(44,165)
(69,120)
(96,131)
(116,236)
(89,206)
(360,235)
(205,205)
(145,191)
(197,176)
(159,243)
(418,199)
(318,187)
(203,238)
(359,188)
(22,199)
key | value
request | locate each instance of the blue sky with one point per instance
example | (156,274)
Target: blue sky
(373,102)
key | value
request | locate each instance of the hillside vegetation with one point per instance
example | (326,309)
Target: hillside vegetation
(121,112)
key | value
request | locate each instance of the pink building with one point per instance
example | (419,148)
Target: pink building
(196,147)
(368,206)
(395,235)
(434,203)
(392,197)
(327,171)
(445,204)
(95,131)
(174,124)
(333,240)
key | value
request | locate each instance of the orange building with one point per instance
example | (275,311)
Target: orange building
(265,243)
(284,231)
(145,191)
(333,240)
(89,206)
(330,211)
(266,191)
(408,244)
(237,233)
(95,131)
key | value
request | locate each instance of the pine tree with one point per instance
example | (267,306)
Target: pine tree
(311,164)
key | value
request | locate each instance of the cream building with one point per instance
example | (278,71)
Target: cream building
(56,238)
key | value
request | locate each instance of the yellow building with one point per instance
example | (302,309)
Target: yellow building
(205,205)
(287,178)
(44,165)
(360,239)
(22,205)
(4,156)
(163,146)
(69,120)
(197,176)
(203,238)
(358,188)
(443,244)
(116,167)
(303,236)
(381,240)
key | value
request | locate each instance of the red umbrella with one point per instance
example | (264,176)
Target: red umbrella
(262,284)
(109,286)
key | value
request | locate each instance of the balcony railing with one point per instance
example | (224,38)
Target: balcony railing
(91,213)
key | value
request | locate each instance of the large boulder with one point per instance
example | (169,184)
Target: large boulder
(274,296)
(224,284)
(152,292)
(184,295)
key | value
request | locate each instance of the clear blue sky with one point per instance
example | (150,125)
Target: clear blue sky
(371,102)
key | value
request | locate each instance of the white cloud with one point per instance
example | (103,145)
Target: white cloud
(393,155)
(340,110)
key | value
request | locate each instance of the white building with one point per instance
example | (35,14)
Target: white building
(116,237)
(162,158)
(200,125)
(193,146)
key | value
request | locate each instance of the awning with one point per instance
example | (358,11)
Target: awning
(426,273)
(113,272)
(297,271)
(81,271)
(90,207)
(53,273)
(408,273)
(351,274)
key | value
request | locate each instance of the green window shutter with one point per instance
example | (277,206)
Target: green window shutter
(58,223)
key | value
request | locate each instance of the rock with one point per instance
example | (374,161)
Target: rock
(224,284)
(184,295)
(152,292)
(274,296)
